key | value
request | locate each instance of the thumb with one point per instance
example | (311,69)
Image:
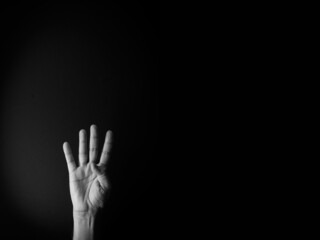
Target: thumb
(103,182)
(101,176)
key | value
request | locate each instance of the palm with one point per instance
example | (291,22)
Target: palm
(88,182)
(86,188)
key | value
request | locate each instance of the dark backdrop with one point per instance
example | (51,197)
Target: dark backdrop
(63,68)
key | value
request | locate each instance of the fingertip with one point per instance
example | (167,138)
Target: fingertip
(82,131)
(109,134)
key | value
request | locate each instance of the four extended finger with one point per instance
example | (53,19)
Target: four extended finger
(69,157)
(93,151)
(83,155)
(105,155)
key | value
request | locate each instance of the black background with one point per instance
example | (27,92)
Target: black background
(63,68)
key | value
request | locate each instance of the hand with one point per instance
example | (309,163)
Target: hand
(88,181)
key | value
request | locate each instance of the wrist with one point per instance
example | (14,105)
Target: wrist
(84,214)
(83,225)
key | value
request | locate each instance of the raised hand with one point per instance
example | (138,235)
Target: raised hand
(88,181)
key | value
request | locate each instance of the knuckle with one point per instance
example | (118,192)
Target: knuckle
(105,153)
(93,149)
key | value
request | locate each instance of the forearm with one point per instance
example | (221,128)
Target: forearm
(83,226)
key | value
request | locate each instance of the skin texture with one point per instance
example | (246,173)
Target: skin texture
(88,181)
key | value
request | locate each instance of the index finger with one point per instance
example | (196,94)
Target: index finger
(106,148)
